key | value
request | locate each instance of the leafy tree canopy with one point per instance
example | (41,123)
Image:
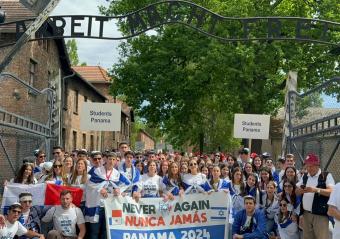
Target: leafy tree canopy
(191,85)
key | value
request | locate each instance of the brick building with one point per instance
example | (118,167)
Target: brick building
(146,138)
(77,91)
(24,114)
(99,78)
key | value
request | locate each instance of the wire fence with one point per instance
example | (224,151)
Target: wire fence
(315,125)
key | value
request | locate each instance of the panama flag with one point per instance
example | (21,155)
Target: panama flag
(116,218)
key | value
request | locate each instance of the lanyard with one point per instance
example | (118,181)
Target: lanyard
(108,176)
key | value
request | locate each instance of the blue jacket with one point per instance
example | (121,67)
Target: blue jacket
(259,226)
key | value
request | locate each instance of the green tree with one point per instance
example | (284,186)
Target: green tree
(72,50)
(190,86)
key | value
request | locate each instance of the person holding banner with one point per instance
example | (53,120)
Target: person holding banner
(151,184)
(249,223)
(11,227)
(130,172)
(56,176)
(172,182)
(25,175)
(217,183)
(194,181)
(30,217)
(65,218)
(104,180)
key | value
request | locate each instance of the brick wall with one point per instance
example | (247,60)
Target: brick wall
(71,118)
(17,99)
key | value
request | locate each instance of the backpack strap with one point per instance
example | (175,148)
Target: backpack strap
(304,178)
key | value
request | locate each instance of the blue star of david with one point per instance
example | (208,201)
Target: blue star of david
(221,213)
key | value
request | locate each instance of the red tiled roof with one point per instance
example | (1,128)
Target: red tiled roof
(92,73)
(14,11)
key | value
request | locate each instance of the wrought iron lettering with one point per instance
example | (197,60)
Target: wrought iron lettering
(189,14)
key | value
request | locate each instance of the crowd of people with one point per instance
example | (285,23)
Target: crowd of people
(268,199)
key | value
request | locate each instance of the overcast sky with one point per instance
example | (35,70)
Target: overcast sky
(91,51)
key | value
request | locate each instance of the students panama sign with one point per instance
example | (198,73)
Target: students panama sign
(251,126)
(100,116)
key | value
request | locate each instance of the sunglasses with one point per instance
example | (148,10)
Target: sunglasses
(42,156)
(96,159)
(193,164)
(16,211)
(283,205)
(27,201)
(57,166)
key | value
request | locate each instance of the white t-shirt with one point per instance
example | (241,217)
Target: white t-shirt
(65,221)
(150,186)
(334,200)
(10,230)
(312,181)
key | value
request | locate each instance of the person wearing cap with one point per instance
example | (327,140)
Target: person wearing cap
(249,223)
(46,170)
(66,218)
(11,227)
(40,158)
(315,186)
(244,157)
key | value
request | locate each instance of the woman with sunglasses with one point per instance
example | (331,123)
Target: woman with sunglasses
(25,175)
(289,195)
(287,226)
(151,185)
(269,202)
(172,182)
(56,176)
(194,181)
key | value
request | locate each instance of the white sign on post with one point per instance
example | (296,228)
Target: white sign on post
(100,116)
(251,126)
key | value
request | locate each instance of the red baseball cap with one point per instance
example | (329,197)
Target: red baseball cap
(312,159)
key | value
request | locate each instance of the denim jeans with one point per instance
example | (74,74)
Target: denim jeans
(97,230)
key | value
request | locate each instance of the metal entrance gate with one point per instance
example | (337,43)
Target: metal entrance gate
(25,123)
(314,125)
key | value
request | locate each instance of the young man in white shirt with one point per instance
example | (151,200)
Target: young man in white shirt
(10,227)
(65,219)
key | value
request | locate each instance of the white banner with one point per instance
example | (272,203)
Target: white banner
(100,116)
(13,190)
(195,216)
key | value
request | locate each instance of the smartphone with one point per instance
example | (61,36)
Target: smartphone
(303,186)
